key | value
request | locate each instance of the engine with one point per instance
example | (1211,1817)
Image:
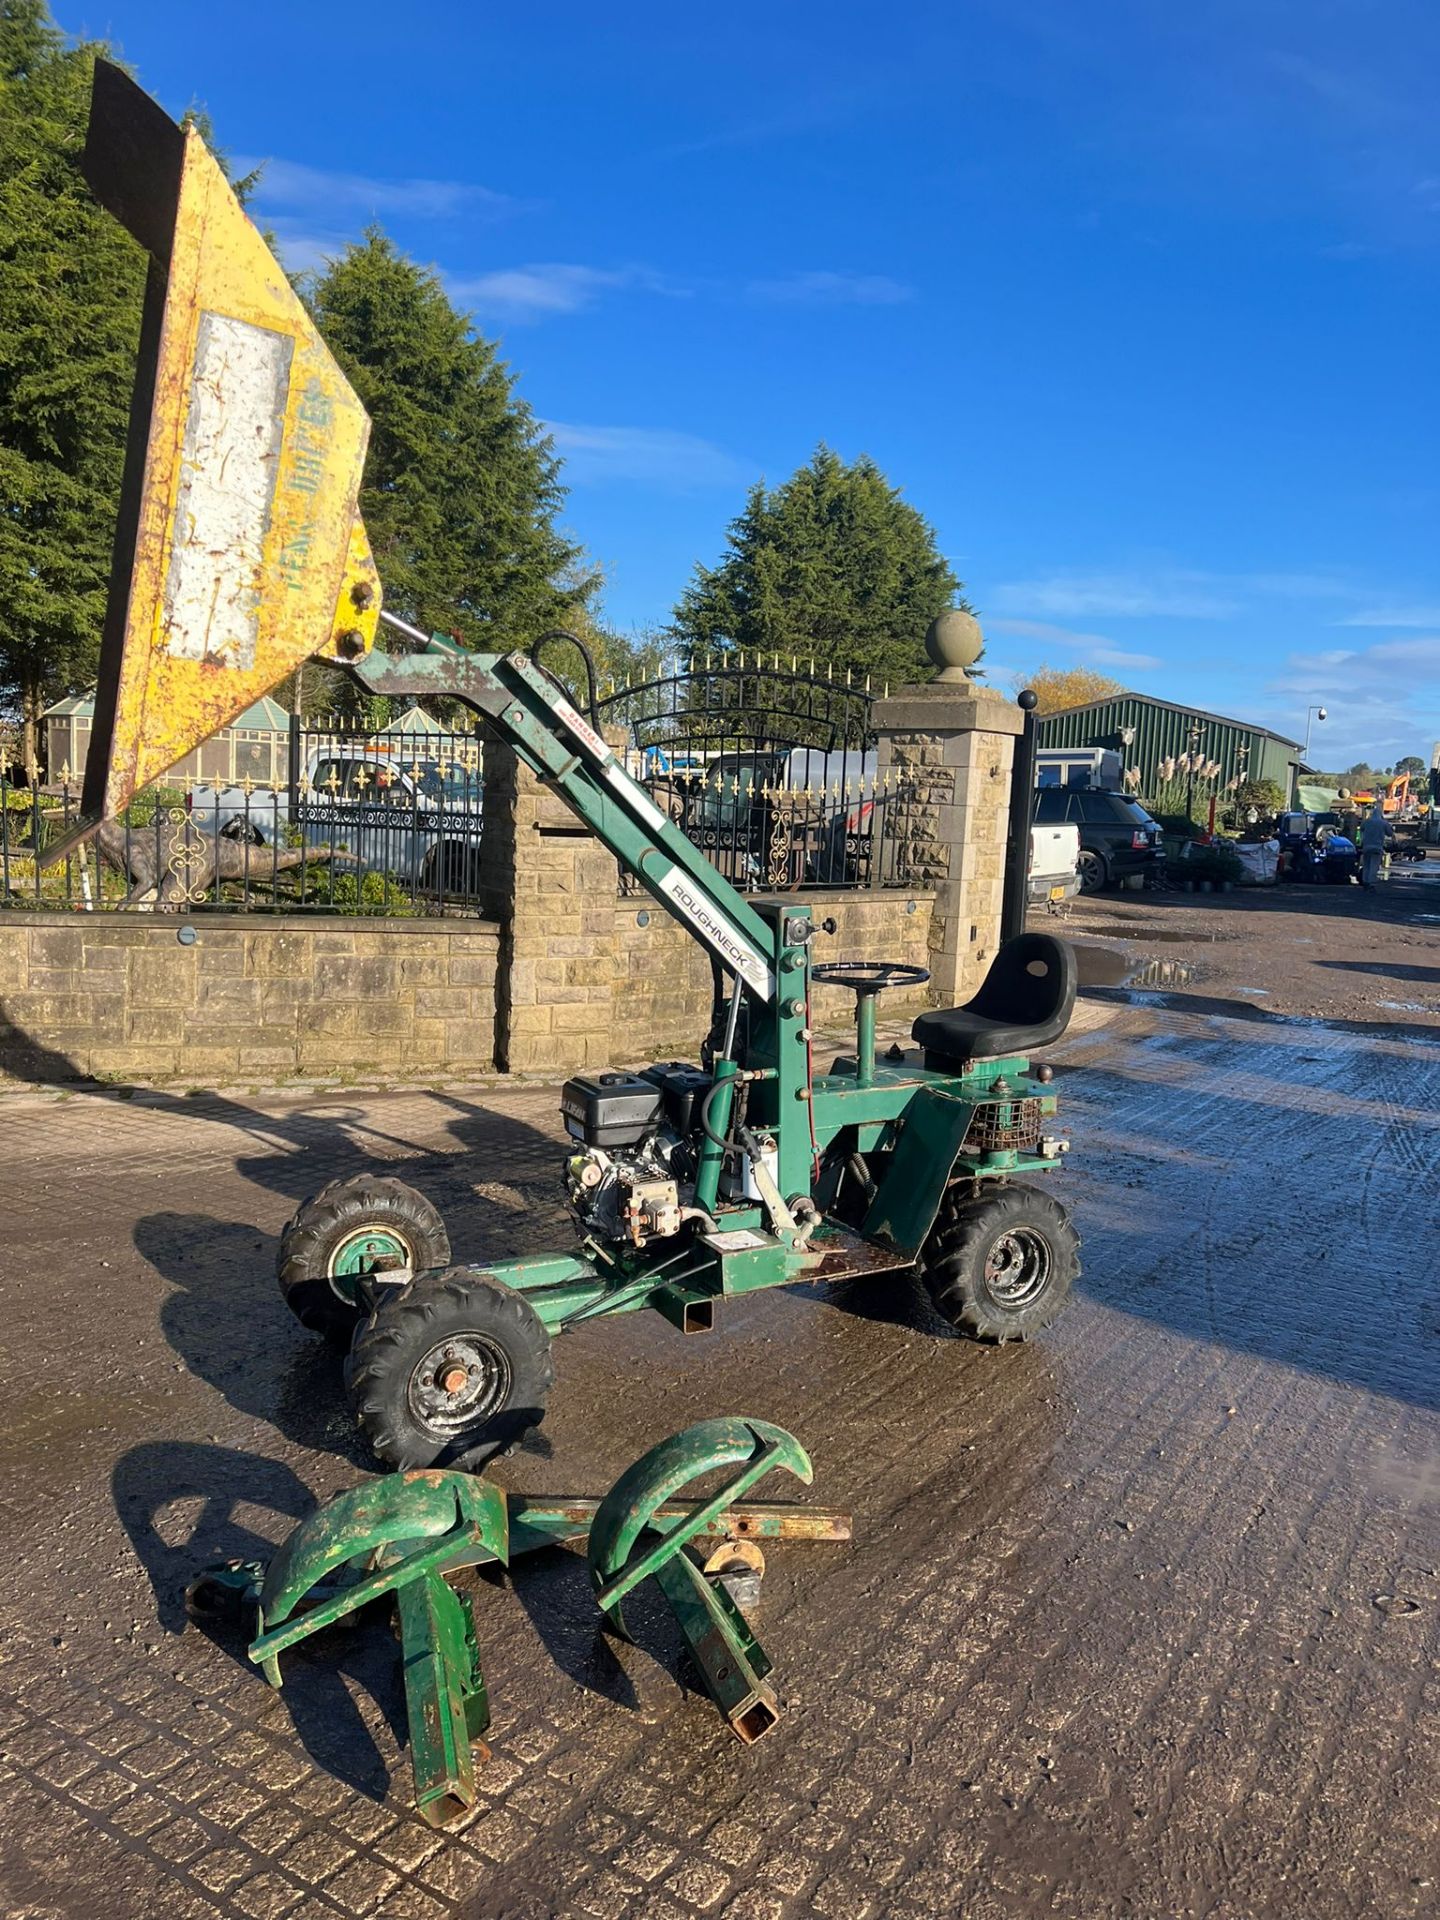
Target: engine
(634,1179)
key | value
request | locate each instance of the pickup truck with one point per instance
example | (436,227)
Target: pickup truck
(1054,863)
(385,810)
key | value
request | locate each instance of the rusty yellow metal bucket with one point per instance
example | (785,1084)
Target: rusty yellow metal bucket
(239,550)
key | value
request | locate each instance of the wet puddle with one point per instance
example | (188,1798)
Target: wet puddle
(1109,967)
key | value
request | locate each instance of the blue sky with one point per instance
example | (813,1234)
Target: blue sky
(1136,301)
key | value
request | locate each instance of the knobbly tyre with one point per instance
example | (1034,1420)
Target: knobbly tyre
(691,1184)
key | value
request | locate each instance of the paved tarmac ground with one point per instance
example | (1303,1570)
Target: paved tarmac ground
(1142,1619)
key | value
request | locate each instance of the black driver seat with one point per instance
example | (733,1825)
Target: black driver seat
(1025,1001)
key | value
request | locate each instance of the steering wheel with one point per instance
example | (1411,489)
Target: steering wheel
(868,976)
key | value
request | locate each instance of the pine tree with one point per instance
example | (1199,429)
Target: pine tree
(71,283)
(833,564)
(461,490)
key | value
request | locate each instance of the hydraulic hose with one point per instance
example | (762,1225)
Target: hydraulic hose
(591,686)
(716,1150)
(856,1165)
(731,1149)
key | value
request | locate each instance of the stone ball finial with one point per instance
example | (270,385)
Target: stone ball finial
(954,642)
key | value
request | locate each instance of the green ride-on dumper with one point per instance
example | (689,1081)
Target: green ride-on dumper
(239,553)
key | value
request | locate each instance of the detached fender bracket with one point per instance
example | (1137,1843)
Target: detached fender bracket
(904,1210)
(633,1539)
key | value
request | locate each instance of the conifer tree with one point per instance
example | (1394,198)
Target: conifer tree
(834,563)
(71,283)
(461,488)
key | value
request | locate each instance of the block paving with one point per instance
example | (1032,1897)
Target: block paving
(1143,1619)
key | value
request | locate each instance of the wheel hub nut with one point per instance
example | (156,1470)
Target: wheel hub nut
(454,1378)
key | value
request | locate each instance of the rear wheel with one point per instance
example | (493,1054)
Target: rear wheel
(450,1371)
(1001,1268)
(1093,869)
(348,1230)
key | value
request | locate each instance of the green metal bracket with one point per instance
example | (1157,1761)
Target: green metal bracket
(445,1697)
(448,1514)
(634,1538)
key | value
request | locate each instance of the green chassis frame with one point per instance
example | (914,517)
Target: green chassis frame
(919,1118)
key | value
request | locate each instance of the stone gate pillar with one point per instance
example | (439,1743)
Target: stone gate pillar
(552,886)
(948,746)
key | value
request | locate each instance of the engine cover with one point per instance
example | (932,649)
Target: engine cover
(682,1087)
(609,1110)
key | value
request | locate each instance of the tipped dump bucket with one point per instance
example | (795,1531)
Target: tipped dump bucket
(239,549)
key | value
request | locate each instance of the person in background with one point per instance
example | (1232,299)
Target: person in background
(1339,857)
(1372,845)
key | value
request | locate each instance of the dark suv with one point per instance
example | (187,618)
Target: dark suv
(1117,836)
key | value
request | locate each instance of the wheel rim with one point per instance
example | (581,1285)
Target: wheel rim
(1017,1267)
(366,1250)
(1092,872)
(459,1382)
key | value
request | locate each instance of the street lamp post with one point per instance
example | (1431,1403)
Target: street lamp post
(1319,713)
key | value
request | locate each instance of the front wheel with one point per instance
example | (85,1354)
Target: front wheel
(346,1231)
(450,1371)
(1001,1268)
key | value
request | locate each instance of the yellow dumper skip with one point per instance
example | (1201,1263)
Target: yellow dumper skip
(239,548)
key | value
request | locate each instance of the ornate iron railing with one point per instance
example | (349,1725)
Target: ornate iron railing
(366,824)
(768,765)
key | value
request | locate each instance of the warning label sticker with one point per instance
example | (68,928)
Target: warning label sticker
(582,729)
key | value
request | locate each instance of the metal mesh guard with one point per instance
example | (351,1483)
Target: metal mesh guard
(1004,1124)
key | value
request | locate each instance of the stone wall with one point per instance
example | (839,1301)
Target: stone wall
(562,976)
(121,996)
(662,976)
(550,885)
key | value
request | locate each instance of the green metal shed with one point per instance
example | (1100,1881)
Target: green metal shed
(1159,730)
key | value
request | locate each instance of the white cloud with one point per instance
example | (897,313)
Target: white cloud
(830,289)
(527,293)
(1169,594)
(533,291)
(1097,648)
(1166,592)
(1421,652)
(1115,657)
(304,248)
(1394,616)
(1046,630)
(1378,701)
(657,456)
(317,191)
